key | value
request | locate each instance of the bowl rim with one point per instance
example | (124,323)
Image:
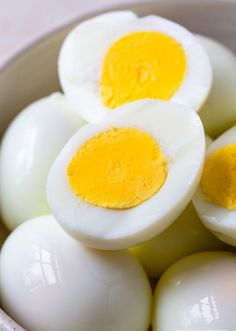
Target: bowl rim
(20,51)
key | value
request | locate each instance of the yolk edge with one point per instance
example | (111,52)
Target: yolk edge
(144,64)
(218,181)
(118,168)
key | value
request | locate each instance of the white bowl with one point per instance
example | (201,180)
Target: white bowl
(32,72)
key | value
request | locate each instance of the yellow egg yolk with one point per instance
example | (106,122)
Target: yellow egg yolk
(218,182)
(142,65)
(118,168)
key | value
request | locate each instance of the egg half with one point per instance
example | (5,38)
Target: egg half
(215,199)
(218,113)
(28,149)
(49,282)
(126,179)
(117,57)
(197,293)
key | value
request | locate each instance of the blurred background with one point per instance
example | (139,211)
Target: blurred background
(23,20)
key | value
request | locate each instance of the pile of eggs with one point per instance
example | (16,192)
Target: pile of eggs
(116,187)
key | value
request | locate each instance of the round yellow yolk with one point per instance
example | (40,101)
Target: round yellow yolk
(218,182)
(142,65)
(118,168)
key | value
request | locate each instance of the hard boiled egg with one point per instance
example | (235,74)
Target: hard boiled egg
(219,111)
(187,235)
(50,282)
(126,179)
(215,199)
(117,57)
(28,149)
(197,293)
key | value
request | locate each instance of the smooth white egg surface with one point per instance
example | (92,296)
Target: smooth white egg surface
(197,293)
(126,179)
(50,282)
(118,57)
(219,111)
(215,199)
(29,147)
(187,235)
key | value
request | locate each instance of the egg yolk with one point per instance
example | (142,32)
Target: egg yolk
(218,182)
(119,168)
(142,65)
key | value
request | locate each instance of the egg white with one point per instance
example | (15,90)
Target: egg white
(218,112)
(28,149)
(219,220)
(179,132)
(50,282)
(82,53)
(197,293)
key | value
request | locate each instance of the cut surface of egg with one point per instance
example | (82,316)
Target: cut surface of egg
(187,235)
(218,113)
(117,58)
(50,282)
(197,293)
(124,180)
(215,199)
(29,147)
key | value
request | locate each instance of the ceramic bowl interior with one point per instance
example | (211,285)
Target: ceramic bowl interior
(32,72)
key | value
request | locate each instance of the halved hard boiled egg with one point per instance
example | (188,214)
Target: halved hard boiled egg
(117,57)
(124,180)
(215,199)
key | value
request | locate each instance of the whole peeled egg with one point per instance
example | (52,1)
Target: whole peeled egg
(51,282)
(29,147)
(197,293)
(218,112)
